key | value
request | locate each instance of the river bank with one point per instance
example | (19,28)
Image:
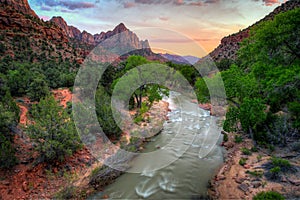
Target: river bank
(97,176)
(236,181)
(71,178)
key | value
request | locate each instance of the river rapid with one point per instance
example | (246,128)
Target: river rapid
(191,137)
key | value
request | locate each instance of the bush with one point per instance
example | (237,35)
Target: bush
(225,138)
(296,146)
(254,149)
(7,153)
(53,131)
(255,173)
(246,151)
(270,195)
(282,163)
(238,139)
(275,171)
(242,161)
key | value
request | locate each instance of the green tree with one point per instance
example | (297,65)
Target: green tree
(202,91)
(7,152)
(53,131)
(38,88)
(104,113)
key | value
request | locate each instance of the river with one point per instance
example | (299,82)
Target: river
(189,135)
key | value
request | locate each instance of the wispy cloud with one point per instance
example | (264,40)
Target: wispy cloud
(71,5)
(129,4)
(164,18)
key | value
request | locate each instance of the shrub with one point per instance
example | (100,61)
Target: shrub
(270,195)
(296,146)
(53,131)
(255,173)
(7,153)
(238,139)
(275,171)
(246,151)
(254,149)
(225,138)
(282,163)
(242,161)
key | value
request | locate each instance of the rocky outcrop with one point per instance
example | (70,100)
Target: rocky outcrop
(70,31)
(231,44)
(124,36)
(21,6)
(24,33)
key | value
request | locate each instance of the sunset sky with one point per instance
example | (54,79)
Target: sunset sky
(204,22)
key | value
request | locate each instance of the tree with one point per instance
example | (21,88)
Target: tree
(202,90)
(38,88)
(266,76)
(104,113)
(53,131)
(7,152)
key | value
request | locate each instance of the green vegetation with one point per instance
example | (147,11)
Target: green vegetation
(238,139)
(53,131)
(104,113)
(282,163)
(255,173)
(242,161)
(262,85)
(9,114)
(246,151)
(270,195)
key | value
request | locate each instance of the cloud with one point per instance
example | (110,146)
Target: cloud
(45,18)
(271,2)
(175,2)
(199,3)
(129,4)
(71,5)
(163,18)
(46,8)
(212,1)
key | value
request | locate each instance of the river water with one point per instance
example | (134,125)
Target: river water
(190,136)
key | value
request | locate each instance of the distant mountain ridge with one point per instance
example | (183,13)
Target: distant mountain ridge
(189,60)
(230,44)
(88,38)
(27,37)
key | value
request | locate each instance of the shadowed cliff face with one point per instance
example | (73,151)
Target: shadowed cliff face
(231,44)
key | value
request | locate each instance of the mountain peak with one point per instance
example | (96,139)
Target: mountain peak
(120,28)
(20,5)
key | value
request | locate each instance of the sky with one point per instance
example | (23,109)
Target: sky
(183,27)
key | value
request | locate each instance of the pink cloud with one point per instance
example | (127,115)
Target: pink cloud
(129,5)
(271,2)
(45,18)
(164,18)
